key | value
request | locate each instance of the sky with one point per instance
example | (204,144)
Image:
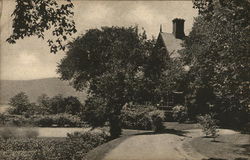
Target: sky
(30,58)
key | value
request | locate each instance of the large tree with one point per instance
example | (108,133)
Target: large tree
(217,50)
(110,63)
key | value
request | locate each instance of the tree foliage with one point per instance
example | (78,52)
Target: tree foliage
(19,103)
(43,104)
(72,105)
(110,62)
(217,50)
(34,17)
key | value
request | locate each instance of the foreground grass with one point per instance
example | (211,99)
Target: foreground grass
(226,147)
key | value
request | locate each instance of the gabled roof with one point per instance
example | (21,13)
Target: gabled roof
(171,43)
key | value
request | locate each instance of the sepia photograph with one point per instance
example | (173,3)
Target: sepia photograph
(124,80)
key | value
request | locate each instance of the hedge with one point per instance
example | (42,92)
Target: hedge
(139,117)
(74,147)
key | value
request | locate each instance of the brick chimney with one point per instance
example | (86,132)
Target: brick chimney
(178,28)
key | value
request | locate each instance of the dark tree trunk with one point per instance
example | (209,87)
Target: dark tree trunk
(115,126)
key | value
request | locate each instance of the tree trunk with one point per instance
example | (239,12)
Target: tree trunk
(115,126)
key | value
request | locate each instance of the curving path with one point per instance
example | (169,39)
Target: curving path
(158,147)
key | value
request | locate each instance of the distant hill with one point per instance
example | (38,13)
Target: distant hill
(34,88)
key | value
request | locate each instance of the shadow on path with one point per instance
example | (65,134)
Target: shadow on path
(166,131)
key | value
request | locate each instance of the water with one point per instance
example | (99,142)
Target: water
(4,107)
(44,131)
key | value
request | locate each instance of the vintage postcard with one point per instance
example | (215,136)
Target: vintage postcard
(124,80)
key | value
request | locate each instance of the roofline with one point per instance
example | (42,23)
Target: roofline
(160,35)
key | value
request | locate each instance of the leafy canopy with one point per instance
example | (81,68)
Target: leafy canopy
(111,63)
(34,17)
(19,103)
(217,50)
(101,57)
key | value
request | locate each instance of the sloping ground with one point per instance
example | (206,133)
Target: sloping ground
(172,144)
(152,147)
(229,146)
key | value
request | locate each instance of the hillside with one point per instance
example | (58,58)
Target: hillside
(34,88)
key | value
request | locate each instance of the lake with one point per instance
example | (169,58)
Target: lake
(47,132)
(4,107)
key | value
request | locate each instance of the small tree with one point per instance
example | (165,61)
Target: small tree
(44,104)
(209,126)
(72,105)
(180,113)
(20,103)
(57,104)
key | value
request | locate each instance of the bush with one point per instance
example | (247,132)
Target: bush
(2,119)
(17,155)
(61,120)
(16,120)
(180,113)
(64,120)
(74,147)
(208,124)
(136,117)
(156,117)
(44,121)
(142,117)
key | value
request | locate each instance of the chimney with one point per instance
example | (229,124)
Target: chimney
(178,28)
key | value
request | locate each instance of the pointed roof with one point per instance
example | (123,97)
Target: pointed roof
(172,44)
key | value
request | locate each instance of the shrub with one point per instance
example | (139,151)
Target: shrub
(2,118)
(156,117)
(74,147)
(17,155)
(142,117)
(17,120)
(61,120)
(208,124)
(136,117)
(44,121)
(180,113)
(78,144)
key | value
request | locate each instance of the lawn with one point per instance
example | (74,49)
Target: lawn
(228,146)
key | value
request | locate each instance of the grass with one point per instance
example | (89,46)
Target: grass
(226,147)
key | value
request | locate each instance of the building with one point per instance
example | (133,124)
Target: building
(170,43)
